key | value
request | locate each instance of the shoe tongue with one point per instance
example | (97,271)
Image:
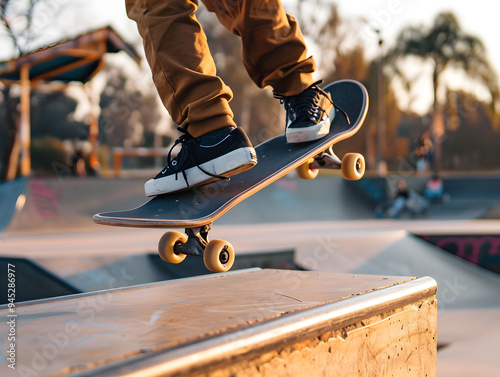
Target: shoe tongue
(215,136)
(305,104)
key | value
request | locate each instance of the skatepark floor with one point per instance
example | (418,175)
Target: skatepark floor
(329,229)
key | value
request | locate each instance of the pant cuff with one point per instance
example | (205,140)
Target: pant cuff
(293,84)
(198,129)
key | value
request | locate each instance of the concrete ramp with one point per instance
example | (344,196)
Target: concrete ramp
(255,322)
(10,192)
(67,205)
(462,285)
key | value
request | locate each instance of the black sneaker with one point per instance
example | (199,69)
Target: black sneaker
(308,115)
(216,155)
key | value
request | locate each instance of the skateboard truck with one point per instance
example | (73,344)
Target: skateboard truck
(218,255)
(352,165)
(197,240)
(326,160)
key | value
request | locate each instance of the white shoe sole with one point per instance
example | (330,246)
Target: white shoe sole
(303,135)
(228,165)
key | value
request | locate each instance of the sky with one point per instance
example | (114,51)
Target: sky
(390,16)
(477,17)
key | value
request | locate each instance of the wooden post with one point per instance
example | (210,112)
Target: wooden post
(14,158)
(24,124)
(117,161)
(93,127)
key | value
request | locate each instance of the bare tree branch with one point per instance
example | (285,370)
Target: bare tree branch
(6,24)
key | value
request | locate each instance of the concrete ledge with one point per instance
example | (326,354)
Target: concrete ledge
(265,322)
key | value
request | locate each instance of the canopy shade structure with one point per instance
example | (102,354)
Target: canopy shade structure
(78,59)
(75,60)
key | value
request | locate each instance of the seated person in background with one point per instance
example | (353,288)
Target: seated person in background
(434,188)
(399,204)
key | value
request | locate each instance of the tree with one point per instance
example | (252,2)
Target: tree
(130,110)
(29,23)
(17,19)
(446,46)
(7,24)
(472,141)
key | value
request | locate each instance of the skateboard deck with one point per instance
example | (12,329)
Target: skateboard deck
(276,158)
(197,207)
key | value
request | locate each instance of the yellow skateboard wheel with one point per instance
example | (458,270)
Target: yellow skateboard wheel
(305,172)
(167,244)
(353,166)
(218,256)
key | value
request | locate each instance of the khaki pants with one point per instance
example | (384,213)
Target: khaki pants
(274,54)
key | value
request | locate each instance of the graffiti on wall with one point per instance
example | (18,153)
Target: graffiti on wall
(483,250)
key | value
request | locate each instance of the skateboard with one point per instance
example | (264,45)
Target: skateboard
(197,208)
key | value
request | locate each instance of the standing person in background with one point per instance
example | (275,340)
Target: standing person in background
(424,151)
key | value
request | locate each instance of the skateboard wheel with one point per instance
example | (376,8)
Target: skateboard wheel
(218,256)
(167,244)
(353,166)
(305,172)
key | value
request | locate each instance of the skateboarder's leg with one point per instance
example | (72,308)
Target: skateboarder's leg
(185,76)
(275,54)
(182,67)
